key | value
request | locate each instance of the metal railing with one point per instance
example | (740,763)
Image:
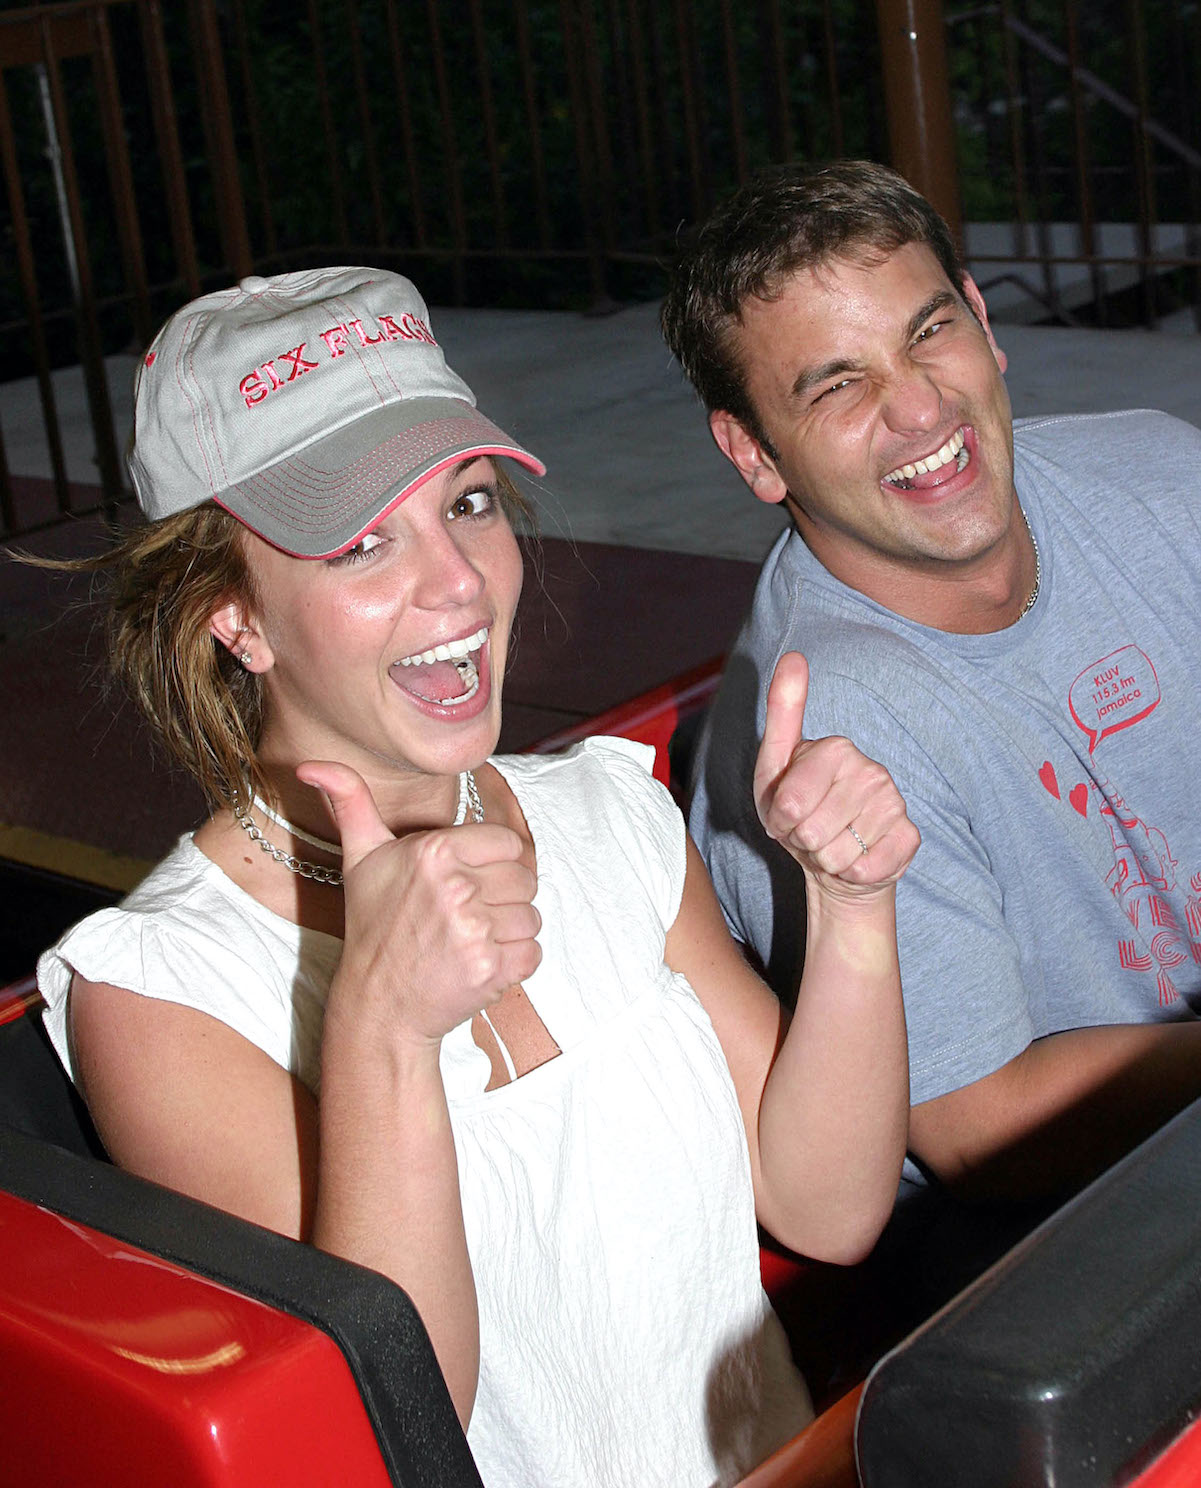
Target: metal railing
(1079,128)
(543,152)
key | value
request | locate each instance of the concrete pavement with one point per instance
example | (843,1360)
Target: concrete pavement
(627,448)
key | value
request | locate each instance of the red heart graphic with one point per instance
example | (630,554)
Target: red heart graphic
(1079,798)
(1047,776)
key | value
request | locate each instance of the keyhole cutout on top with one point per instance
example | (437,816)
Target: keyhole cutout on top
(512,1025)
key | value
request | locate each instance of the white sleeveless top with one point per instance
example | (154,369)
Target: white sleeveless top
(624,1334)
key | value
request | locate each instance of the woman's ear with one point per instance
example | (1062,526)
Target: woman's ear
(232,625)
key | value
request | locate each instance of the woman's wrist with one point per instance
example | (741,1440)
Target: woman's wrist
(379,1025)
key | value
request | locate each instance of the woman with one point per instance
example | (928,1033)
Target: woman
(517,1064)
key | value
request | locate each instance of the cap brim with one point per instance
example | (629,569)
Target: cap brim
(322,501)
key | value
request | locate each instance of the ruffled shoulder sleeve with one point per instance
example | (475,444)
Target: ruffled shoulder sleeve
(180,939)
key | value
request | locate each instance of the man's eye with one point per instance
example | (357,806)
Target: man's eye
(835,387)
(474,503)
(930,330)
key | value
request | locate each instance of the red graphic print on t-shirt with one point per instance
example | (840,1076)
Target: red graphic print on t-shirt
(1113,694)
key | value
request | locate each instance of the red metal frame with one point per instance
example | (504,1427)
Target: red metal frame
(120,1367)
(650,718)
(17,999)
(1179,1466)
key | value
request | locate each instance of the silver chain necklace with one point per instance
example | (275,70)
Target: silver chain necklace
(1038,567)
(469,801)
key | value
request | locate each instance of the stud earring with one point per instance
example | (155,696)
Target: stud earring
(245,658)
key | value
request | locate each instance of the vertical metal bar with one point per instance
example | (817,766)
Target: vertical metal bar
(734,93)
(663,115)
(1084,188)
(452,170)
(179,213)
(54,155)
(805,108)
(597,116)
(537,157)
(986,89)
(1192,177)
(646,174)
(333,173)
(91,352)
(400,73)
(1017,147)
(586,173)
(1143,171)
(27,273)
(370,158)
(685,55)
(917,97)
(1032,92)
(218,129)
(129,233)
(621,112)
(1188,129)
(8,507)
(833,96)
(779,107)
(491,148)
(262,175)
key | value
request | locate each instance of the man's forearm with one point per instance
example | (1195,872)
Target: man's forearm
(1061,1112)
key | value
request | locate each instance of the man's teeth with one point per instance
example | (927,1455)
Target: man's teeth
(952,450)
(455,651)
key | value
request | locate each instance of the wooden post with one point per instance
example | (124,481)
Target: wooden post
(219,136)
(917,98)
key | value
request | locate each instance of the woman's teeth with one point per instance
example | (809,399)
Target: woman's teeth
(448,650)
(469,672)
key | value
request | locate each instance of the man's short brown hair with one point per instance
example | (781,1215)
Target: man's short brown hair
(785,220)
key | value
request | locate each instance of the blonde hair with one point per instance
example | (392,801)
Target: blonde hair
(165,581)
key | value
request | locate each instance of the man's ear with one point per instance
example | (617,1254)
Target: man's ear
(748,457)
(233,626)
(971,293)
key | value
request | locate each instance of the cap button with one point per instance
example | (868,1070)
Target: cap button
(254,284)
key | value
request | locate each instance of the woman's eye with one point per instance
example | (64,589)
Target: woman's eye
(474,503)
(361,550)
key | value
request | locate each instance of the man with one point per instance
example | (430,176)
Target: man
(1008,620)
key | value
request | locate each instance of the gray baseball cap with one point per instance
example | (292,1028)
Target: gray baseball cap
(307,404)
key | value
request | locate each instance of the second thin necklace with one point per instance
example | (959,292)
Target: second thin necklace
(469,803)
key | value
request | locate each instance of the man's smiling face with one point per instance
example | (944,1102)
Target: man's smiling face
(888,421)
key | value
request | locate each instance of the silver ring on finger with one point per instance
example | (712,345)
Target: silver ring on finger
(858,839)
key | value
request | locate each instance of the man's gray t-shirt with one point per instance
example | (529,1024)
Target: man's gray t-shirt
(1052,767)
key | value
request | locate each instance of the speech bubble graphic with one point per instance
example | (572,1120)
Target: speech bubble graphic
(1113,693)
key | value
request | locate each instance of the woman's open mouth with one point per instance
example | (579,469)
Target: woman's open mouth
(447,675)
